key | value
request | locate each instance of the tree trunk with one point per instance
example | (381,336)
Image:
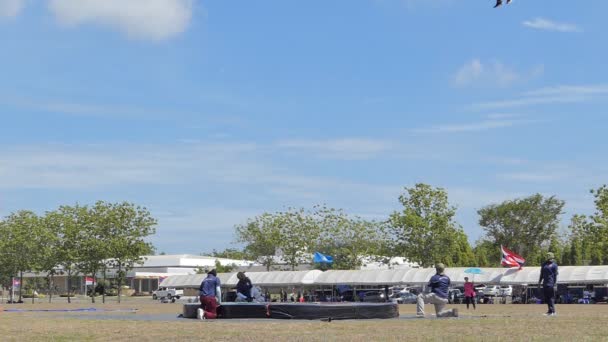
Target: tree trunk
(93,290)
(103,291)
(119,281)
(20,285)
(51,288)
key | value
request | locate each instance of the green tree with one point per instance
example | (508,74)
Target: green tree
(261,236)
(522,225)
(349,240)
(22,234)
(299,233)
(599,227)
(125,227)
(68,222)
(425,230)
(91,247)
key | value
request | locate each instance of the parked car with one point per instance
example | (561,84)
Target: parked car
(373,296)
(506,290)
(167,292)
(404,298)
(455,296)
(491,290)
(407,298)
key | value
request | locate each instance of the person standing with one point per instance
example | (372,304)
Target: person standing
(440,285)
(548,278)
(469,292)
(208,291)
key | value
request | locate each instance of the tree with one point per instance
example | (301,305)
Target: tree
(124,227)
(523,225)
(68,222)
(22,233)
(425,230)
(299,234)
(349,240)
(91,246)
(262,238)
(599,229)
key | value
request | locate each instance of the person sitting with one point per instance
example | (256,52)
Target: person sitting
(243,288)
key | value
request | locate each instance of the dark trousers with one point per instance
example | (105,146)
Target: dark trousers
(549,294)
(209,305)
(470,300)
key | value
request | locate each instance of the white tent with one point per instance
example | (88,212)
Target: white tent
(407,276)
(275,278)
(364,277)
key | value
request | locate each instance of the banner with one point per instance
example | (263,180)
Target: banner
(89,280)
(16,282)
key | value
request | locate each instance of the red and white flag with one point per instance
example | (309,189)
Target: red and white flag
(89,281)
(510,258)
(16,282)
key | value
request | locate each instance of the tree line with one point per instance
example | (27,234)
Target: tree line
(73,240)
(424,231)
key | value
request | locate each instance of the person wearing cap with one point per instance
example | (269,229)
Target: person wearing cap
(208,291)
(439,285)
(548,278)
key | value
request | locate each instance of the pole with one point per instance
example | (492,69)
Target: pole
(12,289)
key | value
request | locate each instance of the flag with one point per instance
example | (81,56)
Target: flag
(160,279)
(89,280)
(323,259)
(511,259)
(16,282)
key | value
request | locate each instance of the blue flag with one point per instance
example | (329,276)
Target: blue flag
(322,259)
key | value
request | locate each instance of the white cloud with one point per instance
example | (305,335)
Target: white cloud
(11,8)
(550,95)
(349,149)
(143,19)
(569,90)
(491,74)
(484,125)
(548,25)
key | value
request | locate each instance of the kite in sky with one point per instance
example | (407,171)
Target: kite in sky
(499,2)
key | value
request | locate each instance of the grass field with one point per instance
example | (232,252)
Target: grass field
(493,322)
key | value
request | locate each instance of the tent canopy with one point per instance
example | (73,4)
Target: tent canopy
(406,276)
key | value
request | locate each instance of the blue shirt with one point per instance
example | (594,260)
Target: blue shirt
(440,284)
(548,274)
(207,288)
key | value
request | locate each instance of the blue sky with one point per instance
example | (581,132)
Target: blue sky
(212,112)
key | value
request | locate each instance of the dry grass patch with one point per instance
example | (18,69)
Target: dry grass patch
(488,322)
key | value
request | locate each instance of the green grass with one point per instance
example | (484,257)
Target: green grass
(488,323)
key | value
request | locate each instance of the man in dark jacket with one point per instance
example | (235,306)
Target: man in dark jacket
(439,285)
(243,288)
(548,277)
